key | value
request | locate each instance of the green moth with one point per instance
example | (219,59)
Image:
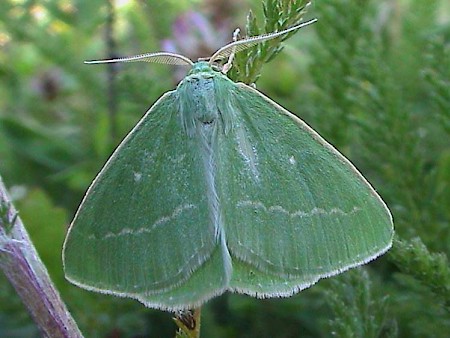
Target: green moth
(218,188)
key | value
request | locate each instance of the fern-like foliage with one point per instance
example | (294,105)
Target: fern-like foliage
(278,15)
(357,311)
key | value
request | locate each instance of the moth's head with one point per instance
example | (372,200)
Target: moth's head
(202,67)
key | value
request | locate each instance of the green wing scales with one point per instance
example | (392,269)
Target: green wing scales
(294,209)
(144,227)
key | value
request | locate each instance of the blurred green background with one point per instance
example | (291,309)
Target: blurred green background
(372,77)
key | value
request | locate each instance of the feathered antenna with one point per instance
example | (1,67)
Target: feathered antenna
(159,57)
(224,52)
(240,45)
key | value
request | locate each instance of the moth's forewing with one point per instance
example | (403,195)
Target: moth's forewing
(142,227)
(293,207)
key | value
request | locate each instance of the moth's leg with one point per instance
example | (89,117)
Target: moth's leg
(229,63)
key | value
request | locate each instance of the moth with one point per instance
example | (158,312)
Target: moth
(218,188)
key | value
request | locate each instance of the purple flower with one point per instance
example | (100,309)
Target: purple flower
(194,36)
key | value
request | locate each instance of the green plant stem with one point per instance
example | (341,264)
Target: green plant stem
(112,72)
(22,266)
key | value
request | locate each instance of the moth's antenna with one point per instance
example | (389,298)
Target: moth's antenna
(238,46)
(160,57)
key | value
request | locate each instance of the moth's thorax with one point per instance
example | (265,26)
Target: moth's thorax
(200,97)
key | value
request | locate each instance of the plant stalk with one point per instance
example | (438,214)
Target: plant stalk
(189,323)
(22,266)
